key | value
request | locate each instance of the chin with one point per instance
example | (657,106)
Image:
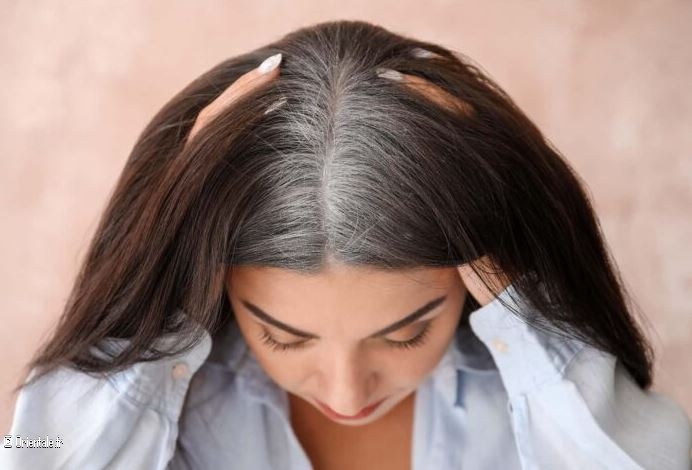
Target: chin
(358,423)
(384,408)
(374,416)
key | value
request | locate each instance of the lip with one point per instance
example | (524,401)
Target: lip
(361,414)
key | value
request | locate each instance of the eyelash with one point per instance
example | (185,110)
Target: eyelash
(414,342)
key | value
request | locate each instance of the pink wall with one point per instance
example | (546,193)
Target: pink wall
(608,82)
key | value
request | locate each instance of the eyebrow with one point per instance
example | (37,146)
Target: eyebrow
(407,320)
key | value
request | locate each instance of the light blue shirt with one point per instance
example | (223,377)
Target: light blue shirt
(504,396)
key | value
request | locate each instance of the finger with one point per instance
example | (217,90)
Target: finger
(245,83)
(496,280)
(265,72)
(424,53)
(428,89)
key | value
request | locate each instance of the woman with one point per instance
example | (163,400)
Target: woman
(360,254)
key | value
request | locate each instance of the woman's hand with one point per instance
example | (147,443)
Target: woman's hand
(266,71)
(428,89)
(475,285)
(471,280)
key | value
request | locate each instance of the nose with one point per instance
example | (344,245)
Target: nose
(347,382)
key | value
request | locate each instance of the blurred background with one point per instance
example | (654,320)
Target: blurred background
(607,82)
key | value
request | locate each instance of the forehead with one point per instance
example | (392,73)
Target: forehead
(340,278)
(339,300)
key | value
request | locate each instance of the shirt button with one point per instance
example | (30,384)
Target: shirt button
(499,345)
(179,370)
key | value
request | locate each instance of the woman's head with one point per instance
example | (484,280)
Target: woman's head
(349,170)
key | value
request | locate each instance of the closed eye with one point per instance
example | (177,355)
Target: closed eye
(417,341)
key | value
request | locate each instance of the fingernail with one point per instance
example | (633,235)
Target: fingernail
(270,63)
(275,105)
(389,73)
(422,53)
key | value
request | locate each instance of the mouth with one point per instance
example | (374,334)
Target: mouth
(368,410)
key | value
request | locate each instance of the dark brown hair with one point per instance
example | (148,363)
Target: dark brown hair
(352,168)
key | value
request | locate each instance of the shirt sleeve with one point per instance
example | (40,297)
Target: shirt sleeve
(127,420)
(575,407)
(90,423)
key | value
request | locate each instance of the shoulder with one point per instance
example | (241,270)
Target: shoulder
(72,408)
(652,427)
(81,409)
(565,394)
